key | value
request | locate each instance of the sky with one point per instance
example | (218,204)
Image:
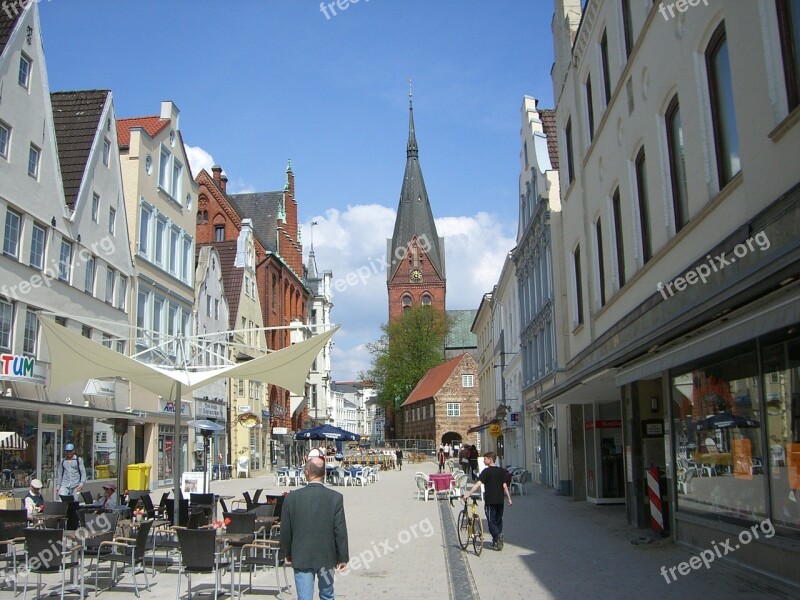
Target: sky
(262,82)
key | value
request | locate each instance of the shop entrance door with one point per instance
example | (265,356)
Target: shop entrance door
(50,444)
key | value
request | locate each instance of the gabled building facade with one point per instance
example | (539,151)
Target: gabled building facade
(56,153)
(161,200)
(320,303)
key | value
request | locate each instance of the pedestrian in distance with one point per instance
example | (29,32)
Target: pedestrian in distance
(463,458)
(398,455)
(473,462)
(494,480)
(70,474)
(441,460)
(314,534)
(34,501)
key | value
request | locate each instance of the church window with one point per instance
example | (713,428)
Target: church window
(406,302)
(426,299)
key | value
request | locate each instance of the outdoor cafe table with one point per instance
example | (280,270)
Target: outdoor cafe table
(441,481)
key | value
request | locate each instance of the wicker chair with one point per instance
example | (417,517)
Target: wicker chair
(132,554)
(41,559)
(54,514)
(100,528)
(199,555)
(204,501)
(12,533)
(87,497)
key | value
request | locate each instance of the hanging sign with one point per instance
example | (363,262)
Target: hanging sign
(14,367)
(95,387)
(495,429)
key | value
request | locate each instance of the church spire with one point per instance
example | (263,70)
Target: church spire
(411,150)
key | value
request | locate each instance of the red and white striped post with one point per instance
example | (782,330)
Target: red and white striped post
(654,495)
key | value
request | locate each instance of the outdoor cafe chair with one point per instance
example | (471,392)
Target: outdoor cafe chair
(12,533)
(100,528)
(204,501)
(261,553)
(459,484)
(293,477)
(45,554)
(87,497)
(240,529)
(424,486)
(166,539)
(199,555)
(516,482)
(343,477)
(130,552)
(54,514)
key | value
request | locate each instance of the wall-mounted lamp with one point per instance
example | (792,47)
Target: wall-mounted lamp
(68,400)
(79,238)
(653,404)
(53,222)
(9,392)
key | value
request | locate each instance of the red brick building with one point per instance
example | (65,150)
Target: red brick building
(279,260)
(444,404)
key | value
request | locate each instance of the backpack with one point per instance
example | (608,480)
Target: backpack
(81,468)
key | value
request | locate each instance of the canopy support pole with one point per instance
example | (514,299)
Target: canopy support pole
(176,456)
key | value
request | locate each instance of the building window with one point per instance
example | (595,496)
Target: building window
(644,210)
(96,208)
(187,260)
(161,227)
(11,237)
(107,341)
(111,279)
(453,409)
(177,172)
(723,112)
(601,267)
(426,299)
(570,163)
(112,220)
(24,77)
(576,265)
(467,381)
(106,152)
(604,65)
(789,26)
(677,165)
(121,346)
(406,303)
(122,293)
(5,138)
(31,333)
(34,154)
(144,230)
(6,324)
(618,239)
(86,332)
(173,249)
(158,319)
(589,107)
(38,236)
(89,278)
(219,233)
(142,301)
(163,165)
(65,261)
(627,27)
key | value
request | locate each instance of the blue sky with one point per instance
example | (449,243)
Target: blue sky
(261,82)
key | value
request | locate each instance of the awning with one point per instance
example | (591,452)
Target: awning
(9,440)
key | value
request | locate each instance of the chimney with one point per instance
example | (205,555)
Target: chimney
(216,172)
(223,182)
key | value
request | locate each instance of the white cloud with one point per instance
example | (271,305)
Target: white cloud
(199,159)
(352,244)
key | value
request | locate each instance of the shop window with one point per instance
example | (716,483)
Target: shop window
(720,459)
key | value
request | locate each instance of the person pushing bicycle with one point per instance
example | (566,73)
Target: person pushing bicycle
(494,480)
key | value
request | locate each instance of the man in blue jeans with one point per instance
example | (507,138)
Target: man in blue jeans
(314,534)
(494,480)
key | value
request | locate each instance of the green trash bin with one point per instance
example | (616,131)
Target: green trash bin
(139,476)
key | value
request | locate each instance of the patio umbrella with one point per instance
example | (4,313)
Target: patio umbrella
(726,421)
(327,432)
(75,358)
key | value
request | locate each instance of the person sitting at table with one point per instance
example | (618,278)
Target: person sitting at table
(109,499)
(34,501)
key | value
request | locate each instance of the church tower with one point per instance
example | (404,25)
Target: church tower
(415,254)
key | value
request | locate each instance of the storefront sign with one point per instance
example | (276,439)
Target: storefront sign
(210,410)
(280,430)
(95,387)
(168,406)
(513,419)
(495,430)
(245,408)
(14,367)
(610,424)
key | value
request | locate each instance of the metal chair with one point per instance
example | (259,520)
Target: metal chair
(42,556)
(132,552)
(12,533)
(199,555)
(261,553)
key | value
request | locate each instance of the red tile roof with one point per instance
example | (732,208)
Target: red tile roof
(548,117)
(152,125)
(433,380)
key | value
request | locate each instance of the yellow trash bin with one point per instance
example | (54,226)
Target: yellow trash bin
(102,472)
(139,476)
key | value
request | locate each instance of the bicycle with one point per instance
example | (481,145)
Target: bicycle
(469,525)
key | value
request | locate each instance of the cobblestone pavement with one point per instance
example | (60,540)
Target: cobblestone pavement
(402,547)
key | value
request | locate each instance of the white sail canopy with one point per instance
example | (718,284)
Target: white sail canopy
(74,357)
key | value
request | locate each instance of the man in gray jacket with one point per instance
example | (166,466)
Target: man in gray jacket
(314,534)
